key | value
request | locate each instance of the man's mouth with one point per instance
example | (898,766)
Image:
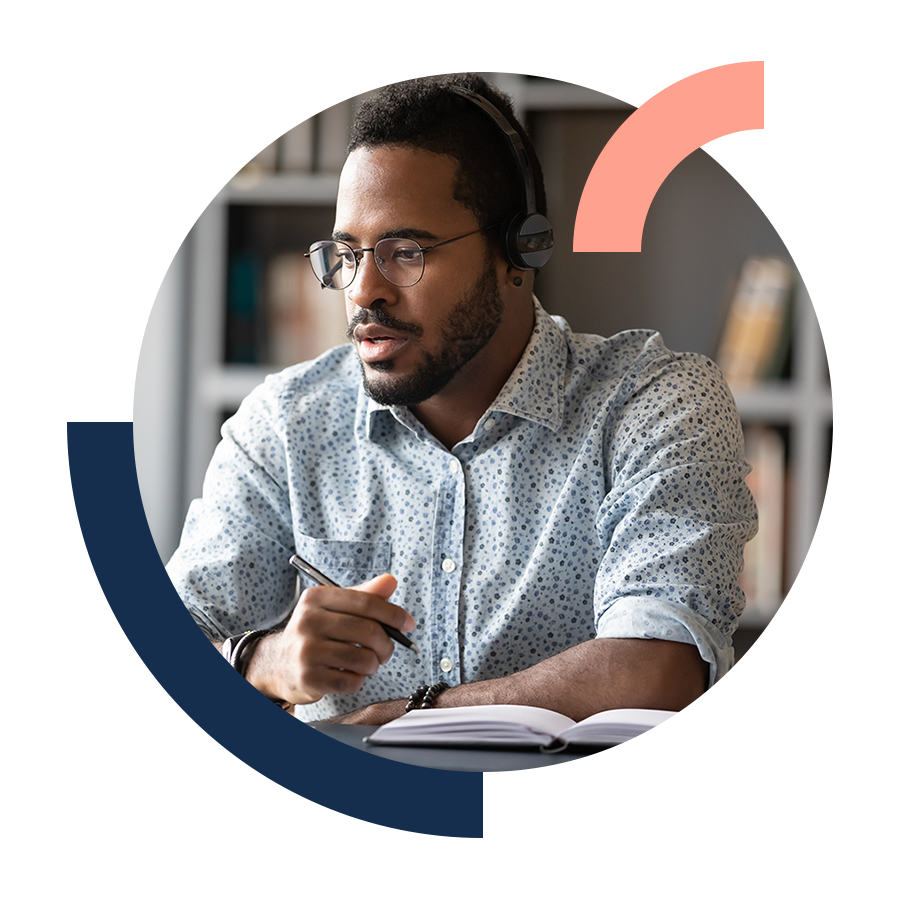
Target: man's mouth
(375,343)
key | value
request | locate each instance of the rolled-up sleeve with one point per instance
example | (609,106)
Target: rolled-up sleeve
(678,512)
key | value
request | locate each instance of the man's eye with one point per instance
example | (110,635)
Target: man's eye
(406,254)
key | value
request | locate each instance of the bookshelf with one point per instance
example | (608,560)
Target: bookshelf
(669,286)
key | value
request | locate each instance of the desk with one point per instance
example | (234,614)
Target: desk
(763,757)
(201,756)
(210,757)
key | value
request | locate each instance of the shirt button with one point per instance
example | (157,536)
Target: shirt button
(446,665)
(454,466)
(448,565)
(489,424)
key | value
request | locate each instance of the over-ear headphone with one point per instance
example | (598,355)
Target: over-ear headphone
(527,235)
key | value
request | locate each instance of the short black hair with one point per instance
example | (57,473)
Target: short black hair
(426,114)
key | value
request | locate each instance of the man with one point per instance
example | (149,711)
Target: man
(558,519)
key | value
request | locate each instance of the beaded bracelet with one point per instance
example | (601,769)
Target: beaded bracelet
(425,696)
(415,698)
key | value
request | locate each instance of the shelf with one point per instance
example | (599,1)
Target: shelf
(782,402)
(286,188)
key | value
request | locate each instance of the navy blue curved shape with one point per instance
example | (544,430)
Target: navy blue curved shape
(119,596)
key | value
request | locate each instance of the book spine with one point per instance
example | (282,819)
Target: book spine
(242,322)
(763,577)
(755,325)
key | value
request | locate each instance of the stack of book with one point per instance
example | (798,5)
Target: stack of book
(299,122)
(756,337)
(763,577)
(277,314)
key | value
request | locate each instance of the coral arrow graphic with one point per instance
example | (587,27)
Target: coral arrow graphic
(680,106)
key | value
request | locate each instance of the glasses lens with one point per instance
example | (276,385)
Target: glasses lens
(400,260)
(334,263)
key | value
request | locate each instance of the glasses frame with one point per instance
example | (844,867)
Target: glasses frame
(357,256)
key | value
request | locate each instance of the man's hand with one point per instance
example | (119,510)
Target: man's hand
(333,641)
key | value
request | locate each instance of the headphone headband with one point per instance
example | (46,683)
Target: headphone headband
(528,235)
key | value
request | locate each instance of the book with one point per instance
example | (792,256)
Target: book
(756,334)
(515,726)
(243,324)
(762,580)
(302,320)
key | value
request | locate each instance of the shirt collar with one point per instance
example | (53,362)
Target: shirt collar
(534,390)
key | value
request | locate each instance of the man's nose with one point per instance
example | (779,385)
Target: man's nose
(369,286)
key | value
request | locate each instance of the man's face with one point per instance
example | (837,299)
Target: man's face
(412,341)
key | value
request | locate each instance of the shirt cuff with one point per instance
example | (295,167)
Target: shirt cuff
(642,617)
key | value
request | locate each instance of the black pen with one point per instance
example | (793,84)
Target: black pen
(303,566)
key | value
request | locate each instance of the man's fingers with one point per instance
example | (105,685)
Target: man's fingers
(369,604)
(336,667)
(335,638)
(315,625)
(340,656)
(383,586)
(322,681)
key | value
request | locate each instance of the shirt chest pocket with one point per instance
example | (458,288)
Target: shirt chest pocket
(347,563)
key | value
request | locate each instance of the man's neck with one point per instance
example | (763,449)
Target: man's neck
(451,423)
(452,414)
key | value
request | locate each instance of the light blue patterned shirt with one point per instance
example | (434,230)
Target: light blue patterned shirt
(602,494)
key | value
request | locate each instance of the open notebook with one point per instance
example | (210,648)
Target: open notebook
(152,712)
(510,726)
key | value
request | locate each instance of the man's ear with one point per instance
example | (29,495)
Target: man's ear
(519,278)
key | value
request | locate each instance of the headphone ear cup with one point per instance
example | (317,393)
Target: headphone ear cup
(529,241)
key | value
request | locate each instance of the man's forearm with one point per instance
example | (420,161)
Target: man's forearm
(606,673)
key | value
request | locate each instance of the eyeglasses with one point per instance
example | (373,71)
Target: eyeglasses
(400,260)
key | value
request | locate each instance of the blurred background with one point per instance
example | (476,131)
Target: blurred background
(239,301)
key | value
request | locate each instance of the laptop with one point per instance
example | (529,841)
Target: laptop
(152,712)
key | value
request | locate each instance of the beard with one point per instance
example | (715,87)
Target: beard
(464,332)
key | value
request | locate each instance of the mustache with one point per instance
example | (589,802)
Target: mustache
(377,316)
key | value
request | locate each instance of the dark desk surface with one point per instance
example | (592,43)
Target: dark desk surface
(763,757)
(210,757)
